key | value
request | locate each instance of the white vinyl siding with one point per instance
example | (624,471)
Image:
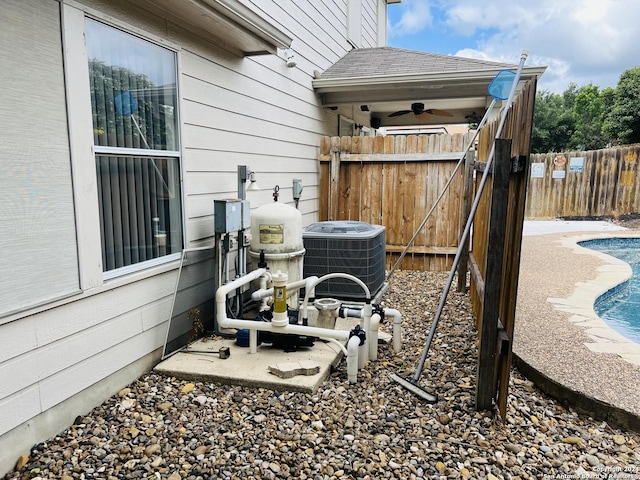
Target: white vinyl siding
(38,239)
(354,22)
(381,24)
(234,111)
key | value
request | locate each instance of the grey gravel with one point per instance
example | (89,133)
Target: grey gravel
(164,428)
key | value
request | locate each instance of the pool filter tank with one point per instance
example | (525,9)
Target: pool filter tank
(276,230)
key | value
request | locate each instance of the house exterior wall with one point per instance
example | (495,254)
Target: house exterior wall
(80,338)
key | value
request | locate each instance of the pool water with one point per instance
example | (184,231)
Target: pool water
(619,307)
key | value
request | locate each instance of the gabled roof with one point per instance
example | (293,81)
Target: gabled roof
(383,61)
(384,80)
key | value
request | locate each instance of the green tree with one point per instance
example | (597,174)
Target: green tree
(553,122)
(622,124)
(143,117)
(588,112)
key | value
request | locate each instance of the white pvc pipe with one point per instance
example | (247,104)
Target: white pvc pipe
(368,312)
(265,292)
(352,359)
(327,277)
(253,326)
(388,312)
(397,328)
(342,347)
(367,317)
(363,355)
(373,339)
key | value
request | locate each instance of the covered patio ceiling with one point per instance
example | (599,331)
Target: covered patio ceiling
(382,81)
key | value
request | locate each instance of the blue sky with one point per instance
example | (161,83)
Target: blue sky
(580,41)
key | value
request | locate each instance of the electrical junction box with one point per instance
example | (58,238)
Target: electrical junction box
(231,215)
(355,248)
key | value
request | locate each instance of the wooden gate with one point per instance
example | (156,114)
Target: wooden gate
(394,181)
(494,260)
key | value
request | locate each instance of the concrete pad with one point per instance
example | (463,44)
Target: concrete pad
(252,370)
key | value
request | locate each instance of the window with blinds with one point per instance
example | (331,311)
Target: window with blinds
(134,104)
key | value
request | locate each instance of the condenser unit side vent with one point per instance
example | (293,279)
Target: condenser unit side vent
(355,248)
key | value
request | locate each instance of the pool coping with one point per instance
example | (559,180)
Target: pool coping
(582,302)
(559,341)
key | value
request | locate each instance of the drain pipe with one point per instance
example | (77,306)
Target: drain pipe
(353,350)
(397,329)
(353,341)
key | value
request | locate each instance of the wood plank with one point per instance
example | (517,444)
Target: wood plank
(392,200)
(467,201)
(354,199)
(334,185)
(408,204)
(476,277)
(422,250)
(376,199)
(324,188)
(486,380)
(344,191)
(399,157)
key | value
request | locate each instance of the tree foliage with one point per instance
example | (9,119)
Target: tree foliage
(128,109)
(587,118)
(553,123)
(622,125)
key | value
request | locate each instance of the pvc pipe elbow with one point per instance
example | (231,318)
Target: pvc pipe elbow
(397,328)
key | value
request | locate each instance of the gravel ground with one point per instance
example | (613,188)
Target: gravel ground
(164,428)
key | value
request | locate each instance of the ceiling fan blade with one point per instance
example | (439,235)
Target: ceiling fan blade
(399,112)
(440,113)
(422,116)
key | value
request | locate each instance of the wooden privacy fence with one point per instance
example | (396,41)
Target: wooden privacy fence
(581,184)
(394,181)
(494,261)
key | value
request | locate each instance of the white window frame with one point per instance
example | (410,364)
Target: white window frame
(83,151)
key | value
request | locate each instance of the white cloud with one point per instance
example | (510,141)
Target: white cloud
(416,16)
(583,41)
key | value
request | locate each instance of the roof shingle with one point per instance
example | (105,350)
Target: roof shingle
(379,61)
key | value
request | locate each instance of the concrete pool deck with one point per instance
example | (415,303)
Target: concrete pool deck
(559,341)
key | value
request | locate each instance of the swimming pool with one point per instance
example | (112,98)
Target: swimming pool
(619,307)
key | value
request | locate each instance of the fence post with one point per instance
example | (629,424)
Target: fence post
(334,181)
(487,356)
(466,210)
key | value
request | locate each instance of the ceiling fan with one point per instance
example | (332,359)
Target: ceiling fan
(417,108)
